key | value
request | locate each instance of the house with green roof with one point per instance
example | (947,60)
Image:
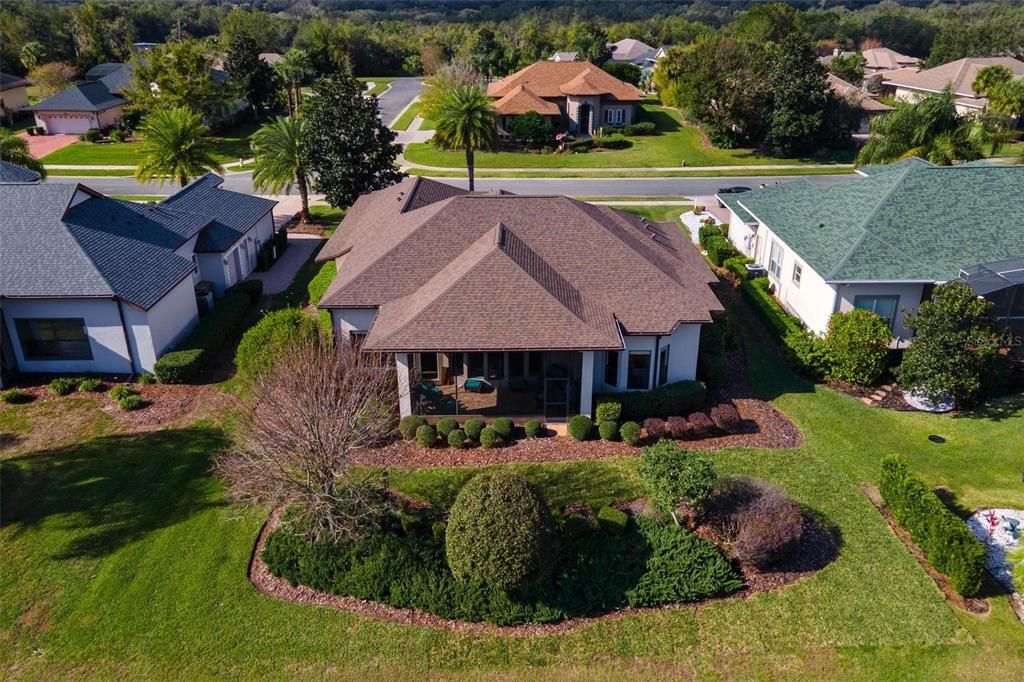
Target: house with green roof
(883,241)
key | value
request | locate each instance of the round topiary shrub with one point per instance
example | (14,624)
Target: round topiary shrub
(456,438)
(409,425)
(534,428)
(857,345)
(426,436)
(473,427)
(504,427)
(630,433)
(580,427)
(489,438)
(500,532)
(608,430)
(446,426)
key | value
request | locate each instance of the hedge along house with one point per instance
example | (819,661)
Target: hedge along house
(91,284)
(495,303)
(883,241)
(576,96)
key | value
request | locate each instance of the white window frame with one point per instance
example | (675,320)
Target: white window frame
(650,368)
(775,259)
(614,116)
(798,273)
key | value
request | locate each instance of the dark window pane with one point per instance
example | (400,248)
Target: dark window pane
(476,364)
(59,338)
(536,363)
(663,366)
(516,364)
(495,365)
(639,371)
(611,369)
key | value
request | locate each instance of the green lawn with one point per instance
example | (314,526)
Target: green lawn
(131,563)
(595,173)
(675,145)
(89,172)
(228,146)
(403,121)
(380,83)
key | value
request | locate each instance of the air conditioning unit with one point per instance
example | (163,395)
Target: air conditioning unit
(204,297)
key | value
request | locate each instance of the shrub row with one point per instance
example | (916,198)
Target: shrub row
(183,364)
(804,351)
(720,419)
(675,398)
(950,546)
(637,562)
(472,432)
(581,427)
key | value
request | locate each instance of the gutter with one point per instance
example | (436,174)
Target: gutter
(127,340)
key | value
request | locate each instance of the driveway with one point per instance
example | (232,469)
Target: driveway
(41,145)
(397,98)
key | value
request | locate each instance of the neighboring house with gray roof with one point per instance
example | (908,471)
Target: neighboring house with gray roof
(883,241)
(13,174)
(543,298)
(13,93)
(91,284)
(94,103)
(909,85)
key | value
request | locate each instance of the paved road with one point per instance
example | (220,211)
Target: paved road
(242,182)
(397,98)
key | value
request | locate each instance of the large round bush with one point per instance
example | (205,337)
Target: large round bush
(857,345)
(270,338)
(500,532)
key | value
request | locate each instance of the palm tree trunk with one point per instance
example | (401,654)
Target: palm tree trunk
(183,179)
(304,193)
(298,93)
(469,166)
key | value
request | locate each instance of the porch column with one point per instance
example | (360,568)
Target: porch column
(587,383)
(404,394)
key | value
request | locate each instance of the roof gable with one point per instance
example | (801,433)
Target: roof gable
(547,79)
(521,100)
(229,214)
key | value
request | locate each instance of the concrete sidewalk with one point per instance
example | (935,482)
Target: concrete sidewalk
(282,273)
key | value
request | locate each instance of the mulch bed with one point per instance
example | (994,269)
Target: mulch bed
(969,604)
(814,552)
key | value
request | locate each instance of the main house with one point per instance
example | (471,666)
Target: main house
(909,85)
(883,241)
(537,301)
(576,96)
(92,284)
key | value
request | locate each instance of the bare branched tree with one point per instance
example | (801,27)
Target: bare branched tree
(314,410)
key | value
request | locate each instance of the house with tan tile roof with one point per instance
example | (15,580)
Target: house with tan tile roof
(958,75)
(540,301)
(585,96)
(868,105)
(878,59)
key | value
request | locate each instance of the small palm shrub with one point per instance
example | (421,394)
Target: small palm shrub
(533,428)
(130,403)
(489,438)
(608,430)
(409,424)
(90,385)
(725,417)
(121,391)
(146,378)
(15,396)
(500,532)
(426,436)
(580,427)
(473,427)
(446,426)
(504,427)
(630,433)
(61,386)
(456,438)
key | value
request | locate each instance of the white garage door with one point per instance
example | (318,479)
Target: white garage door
(74,125)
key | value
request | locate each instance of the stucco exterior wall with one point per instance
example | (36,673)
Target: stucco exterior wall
(77,122)
(154,332)
(110,117)
(683,346)
(909,301)
(15,98)
(346,320)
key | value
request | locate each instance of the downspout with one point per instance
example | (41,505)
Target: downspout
(127,340)
(654,360)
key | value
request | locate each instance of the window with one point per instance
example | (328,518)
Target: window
(663,366)
(611,368)
(614,116)
(638,375)
(883,306)
(775,260)
(798,272)
(55,339)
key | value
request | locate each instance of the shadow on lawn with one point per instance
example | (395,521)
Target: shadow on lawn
(111,491)
(996,409)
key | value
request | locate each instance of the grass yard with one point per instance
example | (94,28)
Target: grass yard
(380,83)
(131,563)
(403,121)
(228,147)
(675,145)
(597,173)
(89,172)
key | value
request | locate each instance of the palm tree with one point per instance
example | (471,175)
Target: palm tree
(14,149)
(293,68)
(929,128)
(279,148)
(466,121)
(175,145)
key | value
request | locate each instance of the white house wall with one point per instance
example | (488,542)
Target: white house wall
(347,320)
(212,268)
(909,301)
(155,331)
(102,326)
(683,345)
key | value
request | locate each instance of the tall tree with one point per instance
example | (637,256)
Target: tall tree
(51,78)
(252,77)
(800,97)
(14,149)
(350,151)
(102,33)
(484,52)
(930,128)
(438,86)
(175,146)
(849,67)
(177,75)
(294,68)
(32,54)
(590,42)
(280,150)
(466,121)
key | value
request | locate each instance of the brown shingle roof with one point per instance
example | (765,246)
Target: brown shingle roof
(855,95)
(547,79)
(959,75)
(521,100)
(500,271)
(884,59)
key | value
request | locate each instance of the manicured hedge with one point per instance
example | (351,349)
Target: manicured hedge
(317,287)
(804,351)
(712,362)
(675,398)
(950,546)
(597,572)
(183,364)
(533,428)
(719,249)
(408,425)
(272,336)
(608,430)
(630,432)
(426,436)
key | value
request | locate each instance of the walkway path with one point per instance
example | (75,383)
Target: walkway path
(414,134)
(282,273)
